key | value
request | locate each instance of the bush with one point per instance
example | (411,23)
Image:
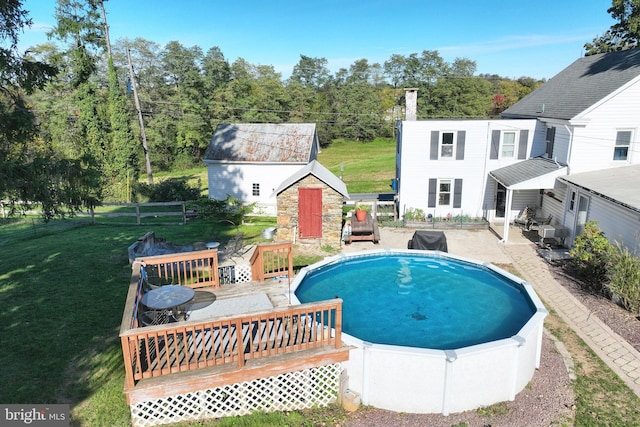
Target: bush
(170,190)
(624,279)
(230,209)
(591,255)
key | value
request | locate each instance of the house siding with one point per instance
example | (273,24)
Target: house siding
(237,180)
(471,167)
(619,224)
(596,140)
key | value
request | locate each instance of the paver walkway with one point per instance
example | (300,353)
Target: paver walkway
(619,355)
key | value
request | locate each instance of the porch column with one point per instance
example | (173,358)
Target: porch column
(507,215)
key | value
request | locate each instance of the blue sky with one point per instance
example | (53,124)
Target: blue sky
(509,38)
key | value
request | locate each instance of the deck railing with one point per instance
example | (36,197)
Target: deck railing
(272,260)
(177,347)
(153,351)
(195,269)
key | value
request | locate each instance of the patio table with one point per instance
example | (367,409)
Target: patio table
(166,299)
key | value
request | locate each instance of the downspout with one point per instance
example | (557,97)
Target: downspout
(569,148)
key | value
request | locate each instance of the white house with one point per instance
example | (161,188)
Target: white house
(249,161)
(584,119)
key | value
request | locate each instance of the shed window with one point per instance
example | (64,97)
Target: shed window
(623,141)
(255,189)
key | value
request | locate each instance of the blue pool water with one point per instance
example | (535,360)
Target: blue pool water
(418,301)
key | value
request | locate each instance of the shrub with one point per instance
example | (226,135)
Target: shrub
(414,215)
(170,190)
(624,278)
(230,209)
(591,253)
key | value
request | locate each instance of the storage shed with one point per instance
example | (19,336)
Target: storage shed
(309,207)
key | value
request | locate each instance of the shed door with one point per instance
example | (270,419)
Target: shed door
(310,212)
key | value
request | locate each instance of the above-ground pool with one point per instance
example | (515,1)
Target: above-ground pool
(431,332)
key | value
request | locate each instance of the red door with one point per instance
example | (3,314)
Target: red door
(310,212)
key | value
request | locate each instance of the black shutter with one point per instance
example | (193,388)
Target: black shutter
(431,200)
(551,137)
(460,142)
(495,144)
(457,193)
(435,141)
(522,144)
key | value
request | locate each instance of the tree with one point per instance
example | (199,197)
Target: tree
(310,72)
(624,34)
(34,171)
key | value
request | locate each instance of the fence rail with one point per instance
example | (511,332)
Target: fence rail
(381,210)
(139,211)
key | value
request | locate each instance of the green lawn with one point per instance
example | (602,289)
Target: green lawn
(62,290)
(365,167)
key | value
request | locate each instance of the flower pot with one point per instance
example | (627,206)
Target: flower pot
(361,215)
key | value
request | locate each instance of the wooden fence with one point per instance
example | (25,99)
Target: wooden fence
(139,211)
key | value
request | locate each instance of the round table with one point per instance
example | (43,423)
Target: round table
(168,296)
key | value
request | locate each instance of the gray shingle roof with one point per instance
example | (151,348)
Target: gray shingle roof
(579,86)
(525,171)
(316,169)
(617,184)
(259,142)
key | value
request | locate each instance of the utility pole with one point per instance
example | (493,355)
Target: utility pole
(106,28)
(140,120)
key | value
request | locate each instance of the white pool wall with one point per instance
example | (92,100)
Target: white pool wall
(415,380)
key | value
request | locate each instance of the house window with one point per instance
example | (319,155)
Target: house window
(623,141)
(572,202)
(508,144)
(446,145)
(444,192)
(255,189)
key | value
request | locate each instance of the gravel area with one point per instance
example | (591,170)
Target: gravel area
(546,401)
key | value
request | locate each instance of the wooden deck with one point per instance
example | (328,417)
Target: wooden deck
(190,355)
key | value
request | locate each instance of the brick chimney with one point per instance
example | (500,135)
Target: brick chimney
(411,103)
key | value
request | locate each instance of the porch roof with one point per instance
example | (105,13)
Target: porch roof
(531,174)
(619,185)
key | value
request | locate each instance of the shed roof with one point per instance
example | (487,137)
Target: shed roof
(535,173)
(581,85)
(316,169)
(263,142)
(620,185)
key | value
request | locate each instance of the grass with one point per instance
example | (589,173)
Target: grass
(368,167)
(62,291)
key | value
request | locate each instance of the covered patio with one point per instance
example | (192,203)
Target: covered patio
(524,183)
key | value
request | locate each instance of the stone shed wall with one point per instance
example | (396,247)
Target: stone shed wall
(331,213)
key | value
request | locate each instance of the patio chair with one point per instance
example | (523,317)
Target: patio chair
(524,217)
(157,317)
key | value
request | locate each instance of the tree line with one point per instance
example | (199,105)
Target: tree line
(72,133)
